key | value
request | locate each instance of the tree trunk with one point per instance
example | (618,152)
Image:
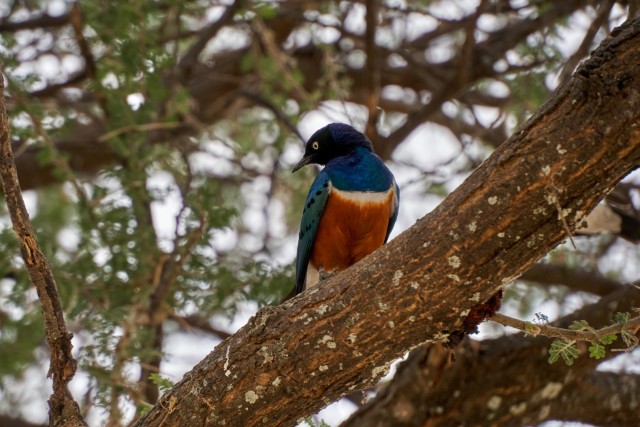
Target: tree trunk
(289,361)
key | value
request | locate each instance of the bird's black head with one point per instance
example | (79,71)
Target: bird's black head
(333,140)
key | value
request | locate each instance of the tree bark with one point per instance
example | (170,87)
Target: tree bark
(289,361)
(505,381)
(63,409)
(600,398)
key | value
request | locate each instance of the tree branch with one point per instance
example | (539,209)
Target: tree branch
(63,410)
(591,335)
(573,278)
(373,68)
(190,58)
(290,360)
(426,388)
(600,398)
(42,21)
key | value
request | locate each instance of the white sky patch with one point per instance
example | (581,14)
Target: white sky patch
(135,100)
(69,238)
(245,309)
(334,414)
(428,146)
(292,153)
(223,239)
(398,93)
(110,81)
(165,207)
(355,20)
(203,163)
(56,7)
(48,66)
(31,202)
(418,24)
(440,50)
(184,350)
(227,39)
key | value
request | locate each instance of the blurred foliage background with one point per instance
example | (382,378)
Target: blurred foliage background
(155,139)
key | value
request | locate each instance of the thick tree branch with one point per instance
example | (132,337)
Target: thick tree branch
(426,389)
(290,360)
(600,398)
(63,410)
(42,21)
(573,278)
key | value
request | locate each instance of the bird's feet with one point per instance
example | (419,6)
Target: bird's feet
(324,274)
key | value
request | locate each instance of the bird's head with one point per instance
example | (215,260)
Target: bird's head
(331,141)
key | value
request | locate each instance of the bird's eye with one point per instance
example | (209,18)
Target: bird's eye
(315,145)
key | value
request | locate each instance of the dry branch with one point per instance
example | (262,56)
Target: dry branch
(63,410)
(594,335)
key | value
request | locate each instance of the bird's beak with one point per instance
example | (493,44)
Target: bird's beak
(303,162)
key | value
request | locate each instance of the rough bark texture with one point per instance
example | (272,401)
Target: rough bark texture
(63,410)
(291,360)
(429,391)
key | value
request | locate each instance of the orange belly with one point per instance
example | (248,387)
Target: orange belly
(349,231)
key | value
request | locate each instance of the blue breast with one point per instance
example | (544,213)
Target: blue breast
(360,171)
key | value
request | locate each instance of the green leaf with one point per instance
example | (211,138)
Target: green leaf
(608,339)
(596,351)
(629,338)
(565,350)
(265,11)
(163,383)
(531,329)
(578,325)
(622,317)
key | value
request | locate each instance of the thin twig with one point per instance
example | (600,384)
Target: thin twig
(566,334)
(561,215)
(587,42)
(138,128)
(190,58)
(373,69)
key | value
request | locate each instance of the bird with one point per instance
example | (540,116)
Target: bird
(351,207)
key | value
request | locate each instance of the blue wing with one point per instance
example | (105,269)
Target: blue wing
(313,209)
(394,212)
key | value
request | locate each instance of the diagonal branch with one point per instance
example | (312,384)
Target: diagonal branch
(190,58)
(290,360)
(573,278)
(587,40)
(63,410)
